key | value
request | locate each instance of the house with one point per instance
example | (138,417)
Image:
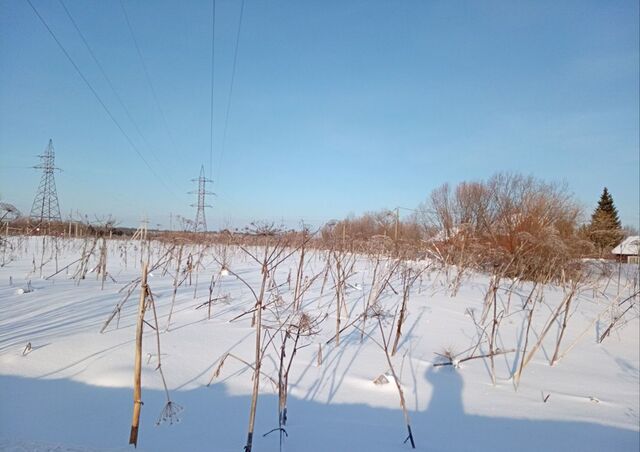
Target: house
(628,250)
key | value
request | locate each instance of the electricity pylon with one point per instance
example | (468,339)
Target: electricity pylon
(45,205)
(200,224)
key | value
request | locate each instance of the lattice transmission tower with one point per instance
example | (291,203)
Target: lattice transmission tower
(200,223)
(45,205)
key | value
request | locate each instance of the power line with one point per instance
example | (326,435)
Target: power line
(148,77)
(233,76)
(213,53)
(95,93)
(109,82)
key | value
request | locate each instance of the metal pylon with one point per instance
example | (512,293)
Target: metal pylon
(45,205)
(200,224)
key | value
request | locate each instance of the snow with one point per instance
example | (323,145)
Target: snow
(73,390)
(629,246)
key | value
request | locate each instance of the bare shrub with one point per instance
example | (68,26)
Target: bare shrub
(527,226)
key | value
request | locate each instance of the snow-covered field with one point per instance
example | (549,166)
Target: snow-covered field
(72,391)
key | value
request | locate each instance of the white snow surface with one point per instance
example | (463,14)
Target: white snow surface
(73,390)
(629,246)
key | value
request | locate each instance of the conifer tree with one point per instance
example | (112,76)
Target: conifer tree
(605,230)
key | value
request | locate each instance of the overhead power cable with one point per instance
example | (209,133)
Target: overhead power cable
(213,54)
(2,167)
(233,76)
(109,82)
(147,76)
(97,96)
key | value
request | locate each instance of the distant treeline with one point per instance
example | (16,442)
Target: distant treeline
(530,228)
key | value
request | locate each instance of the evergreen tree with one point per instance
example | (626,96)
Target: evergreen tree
(605,229)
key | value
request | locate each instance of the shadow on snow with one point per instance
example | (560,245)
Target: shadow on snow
(64,411)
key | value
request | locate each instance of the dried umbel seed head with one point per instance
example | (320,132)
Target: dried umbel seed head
(304,324)
(170,413)
(376,310)
(449,352)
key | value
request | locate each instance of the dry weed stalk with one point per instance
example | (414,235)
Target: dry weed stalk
(518,374)
(565,318)
(409,276)
(632,302)
(300,272)
(380,280)
(171,409)
(495,324)
(137,370)
(452,359)
(175,286)
(301,326)
(87,252)
(563,307)
(344,263)
(276,251)
(102,263)
(384,346)
(131,287)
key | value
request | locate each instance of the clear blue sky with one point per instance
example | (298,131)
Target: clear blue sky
(338,107)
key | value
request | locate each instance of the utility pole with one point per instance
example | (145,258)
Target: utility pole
(45,205)
(200,224)
(397,209)
(397,215)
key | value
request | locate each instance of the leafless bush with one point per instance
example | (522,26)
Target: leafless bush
(519,223)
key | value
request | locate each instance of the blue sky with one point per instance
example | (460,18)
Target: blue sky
(338,107)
